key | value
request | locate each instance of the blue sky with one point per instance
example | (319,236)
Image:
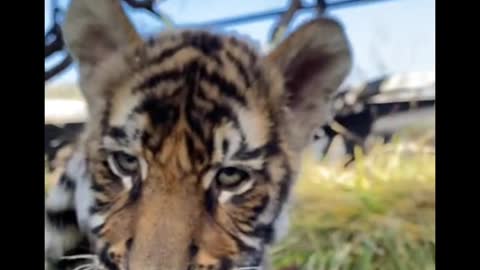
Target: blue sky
(387,36)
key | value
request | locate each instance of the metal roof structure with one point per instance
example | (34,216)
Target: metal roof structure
(54,41)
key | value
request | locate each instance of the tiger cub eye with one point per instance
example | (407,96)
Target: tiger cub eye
(230,177)
(124,163)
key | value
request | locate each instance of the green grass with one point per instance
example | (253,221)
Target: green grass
(377,214)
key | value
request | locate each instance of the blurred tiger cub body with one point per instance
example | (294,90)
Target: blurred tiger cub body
(192,142)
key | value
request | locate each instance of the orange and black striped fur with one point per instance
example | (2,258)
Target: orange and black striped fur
(192,142)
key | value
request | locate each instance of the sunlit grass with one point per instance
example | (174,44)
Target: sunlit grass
(377,214)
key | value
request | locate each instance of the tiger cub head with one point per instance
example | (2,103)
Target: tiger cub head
(193,138)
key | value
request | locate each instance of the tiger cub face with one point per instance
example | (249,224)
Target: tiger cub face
(193,139)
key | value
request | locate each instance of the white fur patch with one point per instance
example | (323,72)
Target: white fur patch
(83,197)
(76,166)
(267,216)
(226,195)
(250,241)
(281,224)
(208,178)
(143,168)
(83,201)
(255,126)
(96,220)
(231,135)
(57,241)
(127,181)
(59,199)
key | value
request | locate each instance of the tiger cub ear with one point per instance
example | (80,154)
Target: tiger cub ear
(314,60)
(94,29)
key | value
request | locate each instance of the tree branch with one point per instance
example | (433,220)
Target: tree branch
(58,68)
(149,5)
(146,4)
(270,13)
(321,6)
(57,43)
(282,24)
